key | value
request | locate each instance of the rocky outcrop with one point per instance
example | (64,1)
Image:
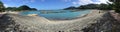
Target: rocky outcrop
(105,24)
(7,24)
(19,23)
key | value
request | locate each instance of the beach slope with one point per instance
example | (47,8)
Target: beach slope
(41,24)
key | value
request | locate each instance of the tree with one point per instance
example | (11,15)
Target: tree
(11,8)
(103,6)
(116,4)
(2,8)
(89,6)
(21,8)
(24,7)
(33,9)
(70,8)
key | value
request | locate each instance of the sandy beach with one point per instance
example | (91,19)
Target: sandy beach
(41,24)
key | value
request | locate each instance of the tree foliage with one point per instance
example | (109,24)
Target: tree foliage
(24,7)
(105,6)
(33,9)
(89,6)
(116,5)
(72,7)
(93,6)
(21,8)
(2,8)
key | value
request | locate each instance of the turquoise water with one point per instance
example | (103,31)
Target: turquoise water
(66,14)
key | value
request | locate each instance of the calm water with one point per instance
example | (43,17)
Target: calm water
(65,14)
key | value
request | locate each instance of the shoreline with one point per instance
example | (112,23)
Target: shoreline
(80,16)
(41,24)
(92,12)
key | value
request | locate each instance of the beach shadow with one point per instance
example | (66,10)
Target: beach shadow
(104,24)
(6,23)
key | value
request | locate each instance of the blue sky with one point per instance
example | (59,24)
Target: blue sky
(50,4)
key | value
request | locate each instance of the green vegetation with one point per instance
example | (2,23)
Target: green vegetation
(71,8)
(89,6)
(92,6)
(2,8)
(116,5)
(21,8)
(24,7)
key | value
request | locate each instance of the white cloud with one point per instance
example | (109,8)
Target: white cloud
(84,2)
(102,1)
(6,5)
(74,3)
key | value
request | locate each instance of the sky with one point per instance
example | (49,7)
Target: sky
(50,4)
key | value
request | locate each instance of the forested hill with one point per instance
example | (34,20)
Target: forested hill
(92,6)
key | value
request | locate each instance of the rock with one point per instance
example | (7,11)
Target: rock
(105,24)
(18,23)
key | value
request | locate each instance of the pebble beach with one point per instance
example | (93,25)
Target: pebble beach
(41,24)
